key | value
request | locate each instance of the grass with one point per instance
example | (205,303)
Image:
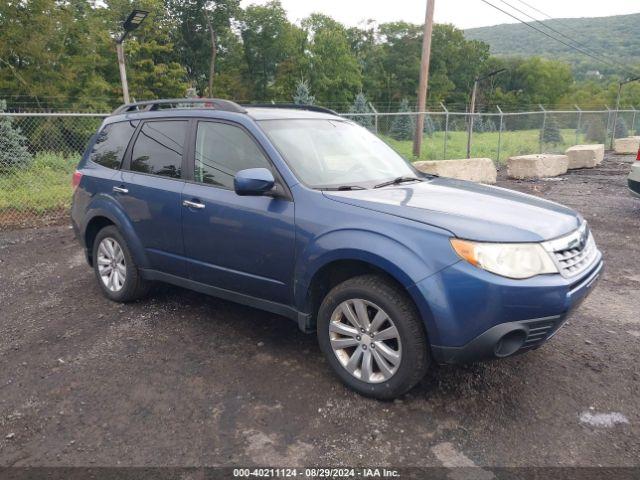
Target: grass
(520,142)
(43,186)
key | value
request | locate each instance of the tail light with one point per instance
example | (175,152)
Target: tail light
(638,157)
(75,180)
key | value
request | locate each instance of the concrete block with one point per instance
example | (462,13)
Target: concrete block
(473,169)
(627,146)
(585,156)
(537,166)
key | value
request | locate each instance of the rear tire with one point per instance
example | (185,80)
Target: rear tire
(373,337)
(116,271)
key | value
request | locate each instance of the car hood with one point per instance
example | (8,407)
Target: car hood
(469,210)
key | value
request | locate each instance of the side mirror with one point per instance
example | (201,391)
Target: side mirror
(253,181)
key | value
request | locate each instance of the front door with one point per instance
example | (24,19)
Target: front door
(241,244)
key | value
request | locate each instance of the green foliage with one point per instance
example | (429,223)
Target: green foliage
(551,132)
(303,94)
(484,124)
(44,185)
(622,131)
(596,131)
(618,36)
(361,105)
(403,126)
(13,146)
(429,126)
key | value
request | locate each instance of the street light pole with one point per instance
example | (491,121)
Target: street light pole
(615,117)
(133,21)
(472,107)
(123,70)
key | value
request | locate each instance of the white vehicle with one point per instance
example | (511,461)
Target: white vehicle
(634,177)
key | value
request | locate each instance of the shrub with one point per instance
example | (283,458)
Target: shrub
(360,105)
(303,94)
(13,145)
(429,126)
(551,132)
(596,131)
(621,128)
(403,126)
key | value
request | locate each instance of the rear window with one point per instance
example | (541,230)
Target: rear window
(159,147)
(111,144)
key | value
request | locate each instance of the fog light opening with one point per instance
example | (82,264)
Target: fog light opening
(510,343)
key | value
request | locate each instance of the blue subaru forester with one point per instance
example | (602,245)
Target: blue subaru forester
(300,212)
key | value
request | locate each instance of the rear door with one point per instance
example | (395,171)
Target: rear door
(242,244)
(149,191)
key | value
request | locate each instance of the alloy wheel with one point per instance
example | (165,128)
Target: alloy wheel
(365,340)
(111,264)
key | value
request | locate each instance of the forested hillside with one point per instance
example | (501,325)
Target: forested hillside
(617,37)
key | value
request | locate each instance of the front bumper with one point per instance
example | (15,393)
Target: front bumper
(474,315)
(634,187)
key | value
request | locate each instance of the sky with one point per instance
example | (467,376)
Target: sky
(461,13)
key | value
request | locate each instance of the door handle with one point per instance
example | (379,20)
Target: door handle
(191,204)
(120,190)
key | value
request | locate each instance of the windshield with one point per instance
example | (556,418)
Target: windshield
(328,154)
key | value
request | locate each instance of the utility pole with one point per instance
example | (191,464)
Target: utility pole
(424,77)
(615,115)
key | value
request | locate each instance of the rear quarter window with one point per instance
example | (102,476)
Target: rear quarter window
(111,143)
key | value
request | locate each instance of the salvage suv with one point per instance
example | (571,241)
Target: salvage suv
(300,212)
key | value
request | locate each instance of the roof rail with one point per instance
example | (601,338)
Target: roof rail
(152,105)
(294,106)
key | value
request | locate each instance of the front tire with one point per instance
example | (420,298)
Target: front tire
(115,269)
(373,337)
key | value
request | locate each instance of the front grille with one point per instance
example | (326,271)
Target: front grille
(539,331)
(574,253)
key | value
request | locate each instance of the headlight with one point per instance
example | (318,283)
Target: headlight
(512,260)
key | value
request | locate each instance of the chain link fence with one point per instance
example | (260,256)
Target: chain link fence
(39,151)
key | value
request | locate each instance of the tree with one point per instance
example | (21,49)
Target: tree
(361,107)
(622,131)
(303,94)
(333,68)
(596,131)
(403,126)
(551,132)
(429,126)
(13,148)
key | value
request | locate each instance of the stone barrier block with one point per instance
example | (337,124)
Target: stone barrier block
(473,169)
(537,166)
(585,156)
(627,146)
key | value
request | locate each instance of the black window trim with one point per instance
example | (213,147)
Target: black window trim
(126,162)
(126,150)
(189,169)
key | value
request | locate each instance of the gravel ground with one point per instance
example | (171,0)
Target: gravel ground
(182,379)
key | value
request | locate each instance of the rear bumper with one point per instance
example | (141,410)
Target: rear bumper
(503,336)
(634,187)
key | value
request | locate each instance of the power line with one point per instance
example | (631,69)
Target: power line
(581,44)
(544,33)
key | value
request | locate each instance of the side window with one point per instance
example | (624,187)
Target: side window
(111,144)
(158,148)
(222,150)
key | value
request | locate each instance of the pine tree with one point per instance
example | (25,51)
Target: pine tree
(621,128)
(551,132)
(361,106)
(303,94)
(429,126)
(13,145)
(403,126)
(595,131)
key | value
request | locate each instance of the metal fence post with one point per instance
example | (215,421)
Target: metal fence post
(544,125)
(446,129)
(579,124)
(500,132)
(375,116)
(606,134)
(633,122)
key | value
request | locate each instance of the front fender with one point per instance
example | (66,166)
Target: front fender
(103,205)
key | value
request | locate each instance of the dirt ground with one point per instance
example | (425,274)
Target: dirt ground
(183,379)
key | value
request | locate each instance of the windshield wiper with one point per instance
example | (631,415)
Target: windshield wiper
(398,181)
(344,188)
